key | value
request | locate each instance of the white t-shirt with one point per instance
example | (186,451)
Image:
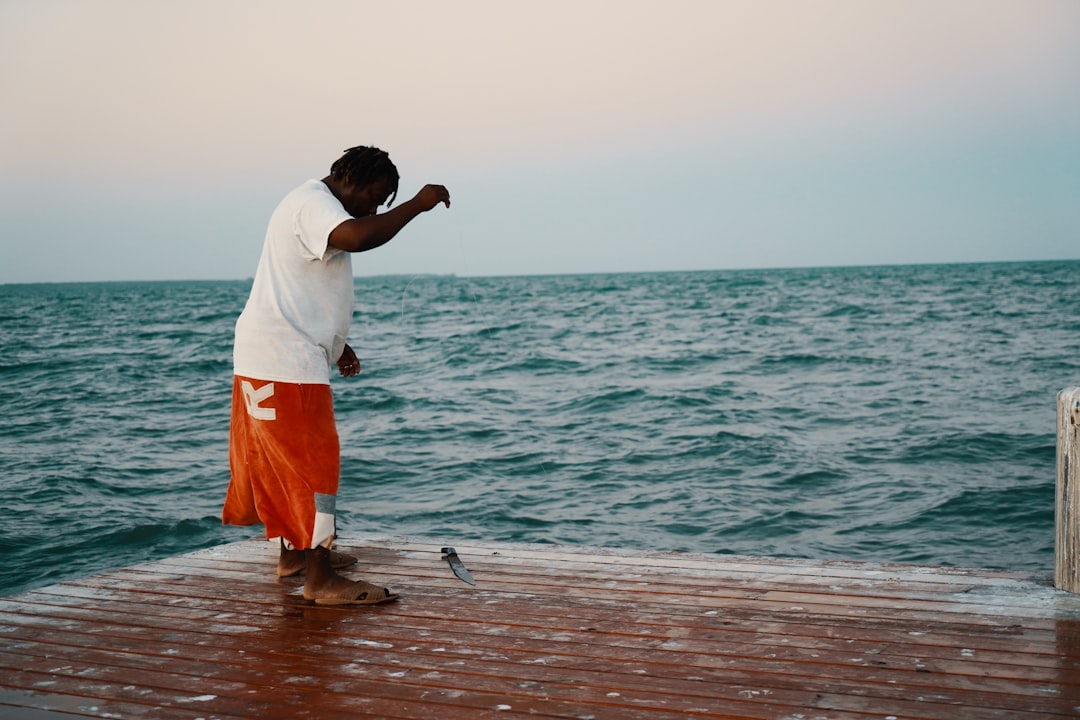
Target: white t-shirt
(296,320)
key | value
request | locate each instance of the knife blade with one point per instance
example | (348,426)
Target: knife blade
(450,555)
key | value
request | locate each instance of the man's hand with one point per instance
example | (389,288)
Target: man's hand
(348,364)
(431,195)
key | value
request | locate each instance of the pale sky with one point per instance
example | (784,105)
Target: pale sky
(152,140)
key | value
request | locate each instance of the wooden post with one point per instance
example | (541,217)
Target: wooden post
(1067,512)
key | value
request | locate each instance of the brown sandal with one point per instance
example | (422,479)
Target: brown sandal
(337,561)
(359,593)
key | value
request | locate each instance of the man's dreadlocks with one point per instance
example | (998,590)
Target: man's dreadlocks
(363,165)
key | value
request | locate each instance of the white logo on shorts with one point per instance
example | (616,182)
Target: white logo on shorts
(253,397)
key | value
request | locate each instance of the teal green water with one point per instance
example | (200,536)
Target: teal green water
(889,413)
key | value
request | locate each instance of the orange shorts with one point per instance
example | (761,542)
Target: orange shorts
(285,460)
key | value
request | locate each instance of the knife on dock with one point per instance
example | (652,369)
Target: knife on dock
(450,555)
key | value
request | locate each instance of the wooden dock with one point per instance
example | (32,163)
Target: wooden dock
(548,631)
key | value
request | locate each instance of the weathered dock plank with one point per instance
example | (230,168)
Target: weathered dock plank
(547,631)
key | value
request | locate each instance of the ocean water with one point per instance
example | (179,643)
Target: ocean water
(882,413)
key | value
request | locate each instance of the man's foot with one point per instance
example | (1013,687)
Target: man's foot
(323,585)
(349,592)
(293,562)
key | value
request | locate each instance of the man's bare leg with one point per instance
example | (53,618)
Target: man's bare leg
(323,585)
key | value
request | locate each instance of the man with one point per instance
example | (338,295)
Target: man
(283,443)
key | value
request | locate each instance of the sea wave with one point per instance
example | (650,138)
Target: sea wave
(892,414)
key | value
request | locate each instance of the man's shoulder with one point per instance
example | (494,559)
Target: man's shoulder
(312,195)
(309,189)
